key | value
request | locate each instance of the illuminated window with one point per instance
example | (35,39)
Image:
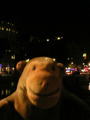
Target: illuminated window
(9,50)
(13,57)
(2,28)
(7,29)
(68,58)
(12,84)
(2,92)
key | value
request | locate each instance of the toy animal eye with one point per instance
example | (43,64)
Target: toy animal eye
(53,68)
(34,67)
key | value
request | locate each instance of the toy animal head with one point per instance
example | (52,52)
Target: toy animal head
(41,78)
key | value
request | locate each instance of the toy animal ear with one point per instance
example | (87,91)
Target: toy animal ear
(20,66)
(62,67)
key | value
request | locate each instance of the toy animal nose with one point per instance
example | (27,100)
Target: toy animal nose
(44,83)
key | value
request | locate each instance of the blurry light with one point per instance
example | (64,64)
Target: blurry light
(13,57)
(9,30)
(2,28)
(47,40)
(6,68)
(83,70)
(0,65)
(7,91)
(58,38)
(9,50)
(54,59)
(84,54)
(13,68)
(27,60)
(61,37)
(12,84)
(83,63)
(68,59)
(72,63)
(73,69)
(69,68)
(2,92)
(6,29)
(8,23)
(89,64)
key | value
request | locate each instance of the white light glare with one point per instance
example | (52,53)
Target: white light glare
(58,38)
(54,59)
(47,40)
(27,60)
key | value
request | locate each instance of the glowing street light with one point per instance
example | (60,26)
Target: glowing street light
(58,38)
(47,40)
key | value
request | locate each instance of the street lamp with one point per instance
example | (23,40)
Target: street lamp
(58,38)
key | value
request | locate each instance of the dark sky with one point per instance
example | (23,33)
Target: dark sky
(69,18)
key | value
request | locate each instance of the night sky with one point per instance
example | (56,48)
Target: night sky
(70,18)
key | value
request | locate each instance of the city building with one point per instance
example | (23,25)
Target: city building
(8,40)
(7,30)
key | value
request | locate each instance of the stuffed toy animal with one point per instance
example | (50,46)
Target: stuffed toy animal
(41,95)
